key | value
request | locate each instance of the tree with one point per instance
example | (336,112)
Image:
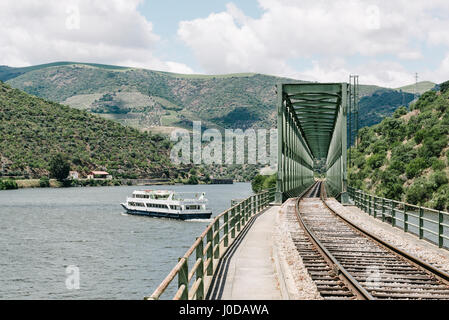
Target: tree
(192,180)
(59,167)
(444,86)
(257,183)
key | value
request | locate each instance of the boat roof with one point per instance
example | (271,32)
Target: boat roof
(154,191)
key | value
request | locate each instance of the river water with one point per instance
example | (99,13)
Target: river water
(118,256)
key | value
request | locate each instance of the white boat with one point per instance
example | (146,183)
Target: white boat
(168,204)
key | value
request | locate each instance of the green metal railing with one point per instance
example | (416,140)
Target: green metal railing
(209,247)
(429,224)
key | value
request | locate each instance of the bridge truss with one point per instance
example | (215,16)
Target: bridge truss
(312,125)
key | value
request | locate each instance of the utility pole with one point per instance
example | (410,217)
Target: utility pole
(354,108)
(353,112)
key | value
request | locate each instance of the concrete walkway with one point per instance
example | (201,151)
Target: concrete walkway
(248,271)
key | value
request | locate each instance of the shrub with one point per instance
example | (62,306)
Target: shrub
(376,160)
(257,183)
(437,164)
(400,112)
(260,182)
(438,179)
(417,192)
(441,199)
(444,87)
(419,136)
(44,182)
(8,184)
(192,180)
(415,167)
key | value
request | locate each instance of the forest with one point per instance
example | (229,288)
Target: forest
(405,157)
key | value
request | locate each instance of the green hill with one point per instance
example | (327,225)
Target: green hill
(405,157)
(422,87)
(147,99)
(380,104)
(32,130)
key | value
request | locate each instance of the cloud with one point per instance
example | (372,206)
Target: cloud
(379,32)
(33,32)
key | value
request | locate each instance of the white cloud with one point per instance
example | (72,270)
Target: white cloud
(33,32)
(319,30)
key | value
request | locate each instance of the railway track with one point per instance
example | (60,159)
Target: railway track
(346,262)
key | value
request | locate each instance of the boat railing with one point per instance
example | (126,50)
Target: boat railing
(209,247)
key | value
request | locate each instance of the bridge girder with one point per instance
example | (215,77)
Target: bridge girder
(311,125)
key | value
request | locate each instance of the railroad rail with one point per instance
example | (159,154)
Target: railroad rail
(347,262)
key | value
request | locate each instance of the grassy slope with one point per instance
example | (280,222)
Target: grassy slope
(33,129)
(224,101)
(423,86)
(220,96)
(380,104)
(405,157)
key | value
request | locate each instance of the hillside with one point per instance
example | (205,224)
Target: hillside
(422,87)
(147,99)
(380,104)
(406,157)
(32,130)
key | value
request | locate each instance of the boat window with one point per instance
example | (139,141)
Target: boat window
(136,204)
(192,207)
(157,196)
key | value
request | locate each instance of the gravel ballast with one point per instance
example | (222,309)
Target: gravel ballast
(299,282)
(405,241)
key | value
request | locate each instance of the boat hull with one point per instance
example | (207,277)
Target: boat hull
(180,216)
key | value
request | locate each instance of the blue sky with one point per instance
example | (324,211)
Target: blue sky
(385,42)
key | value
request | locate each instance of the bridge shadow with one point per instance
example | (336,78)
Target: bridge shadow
(218,283)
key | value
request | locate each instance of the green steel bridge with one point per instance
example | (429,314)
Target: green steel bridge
(313,120)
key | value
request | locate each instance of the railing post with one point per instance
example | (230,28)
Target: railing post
(200,271)
(393,214)
(183,279)
(374,207)
(253,206)
(365,208)
(210,266)
(440,229)
(217,239)
(233,223)
(405,218)
(238,216)
(383,209)
(226,229)
(421,223)
(245,211)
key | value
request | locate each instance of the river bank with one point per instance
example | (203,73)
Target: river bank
(53,183)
